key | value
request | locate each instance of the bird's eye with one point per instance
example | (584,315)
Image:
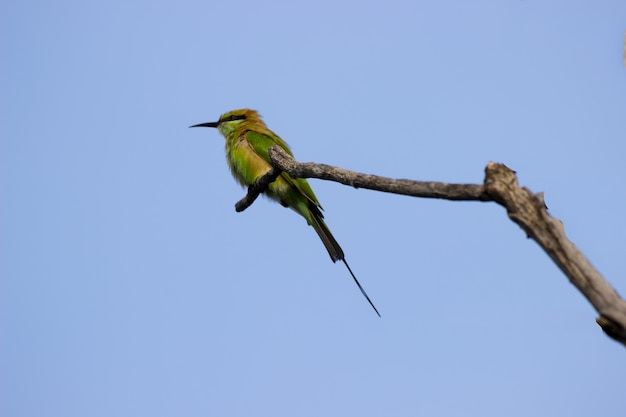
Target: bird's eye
(234,117)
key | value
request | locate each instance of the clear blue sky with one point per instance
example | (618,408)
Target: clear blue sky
(131,287)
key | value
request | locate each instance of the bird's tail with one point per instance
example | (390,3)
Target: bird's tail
(334,250)
(332,246)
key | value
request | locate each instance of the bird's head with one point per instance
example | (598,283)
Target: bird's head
(229,122)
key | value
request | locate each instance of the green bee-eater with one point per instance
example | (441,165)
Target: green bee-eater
(248,140)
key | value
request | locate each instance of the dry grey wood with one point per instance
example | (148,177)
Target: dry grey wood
(529,211)
(525,208)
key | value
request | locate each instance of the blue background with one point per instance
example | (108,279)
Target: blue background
(130,286)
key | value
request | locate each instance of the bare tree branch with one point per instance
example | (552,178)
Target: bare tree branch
(525,208)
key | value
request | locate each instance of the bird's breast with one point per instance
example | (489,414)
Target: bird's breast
(245,164)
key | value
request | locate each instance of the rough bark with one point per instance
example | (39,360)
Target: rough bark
(524,207)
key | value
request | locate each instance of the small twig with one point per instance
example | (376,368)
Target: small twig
(427,189)
(258,188)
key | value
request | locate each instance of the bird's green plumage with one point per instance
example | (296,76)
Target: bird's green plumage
(247,152)
(248,140)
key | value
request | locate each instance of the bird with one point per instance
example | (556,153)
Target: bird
(248,140)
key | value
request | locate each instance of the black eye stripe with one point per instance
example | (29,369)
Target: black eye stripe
(233,117)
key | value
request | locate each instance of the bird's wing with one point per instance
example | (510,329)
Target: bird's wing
(261,143)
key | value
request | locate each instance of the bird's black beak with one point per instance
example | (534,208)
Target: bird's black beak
(209,124)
